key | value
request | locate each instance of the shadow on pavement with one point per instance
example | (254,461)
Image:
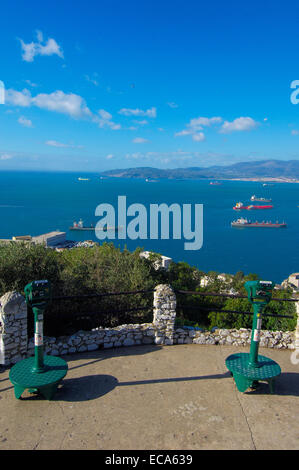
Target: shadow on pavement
(286,384)
(94,386)
(85,388)
(91,387)
(102,354)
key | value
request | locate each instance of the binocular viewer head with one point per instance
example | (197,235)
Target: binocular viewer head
(38,293)
(259,291)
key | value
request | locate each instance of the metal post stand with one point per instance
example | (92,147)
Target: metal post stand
(41,373)
(249,369)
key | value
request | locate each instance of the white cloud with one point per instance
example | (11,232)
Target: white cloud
(39,35)
(139,140)
(134,156)
(198,137)
(173,105)
(5,156)
(33,49)
(196,125)
(181,158)
(66,103)
(54,143)
(184,132)
(18,98)
(294,132)
(25,122)
(143,122)
(238,125)
(105,120)
(92,80)
(178,156)
(30,83)
(108,157)
(58,101)
(152,112)
(105,115)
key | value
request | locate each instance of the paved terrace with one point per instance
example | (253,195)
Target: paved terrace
(154,398)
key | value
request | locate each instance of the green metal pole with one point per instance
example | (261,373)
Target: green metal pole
(255,335)
(38,340)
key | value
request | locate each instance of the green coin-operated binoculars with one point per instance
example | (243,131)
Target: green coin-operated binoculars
(38,296)
(249,369)
(41,373)
(259,294)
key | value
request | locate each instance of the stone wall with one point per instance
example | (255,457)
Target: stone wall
(242,337)
(164,314)
(14,344)
(124,335)
(13,328)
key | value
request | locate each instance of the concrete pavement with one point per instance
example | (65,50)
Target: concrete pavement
(154,398)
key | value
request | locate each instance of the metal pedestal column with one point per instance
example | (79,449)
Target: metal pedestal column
(249,369)
(41,373)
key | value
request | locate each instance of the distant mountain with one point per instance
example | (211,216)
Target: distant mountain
(257,169)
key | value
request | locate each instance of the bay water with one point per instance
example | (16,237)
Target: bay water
(33,203)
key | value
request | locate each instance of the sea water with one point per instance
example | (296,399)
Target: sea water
(32,203)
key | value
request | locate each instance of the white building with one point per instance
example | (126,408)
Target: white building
(50,239)
(223,277)
(165,260)
(292,281)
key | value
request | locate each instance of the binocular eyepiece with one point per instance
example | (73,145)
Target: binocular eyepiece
(38,293)
(259,291)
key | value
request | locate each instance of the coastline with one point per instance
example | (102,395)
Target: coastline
(266,180)
(249,179)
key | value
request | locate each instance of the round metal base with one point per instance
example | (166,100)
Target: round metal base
(23,376)
(247,376)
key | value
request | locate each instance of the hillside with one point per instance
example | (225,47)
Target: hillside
(257,169)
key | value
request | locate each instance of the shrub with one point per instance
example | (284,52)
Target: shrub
(105,268)
(22,263)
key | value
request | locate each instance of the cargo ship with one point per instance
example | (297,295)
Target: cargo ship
(259,199)
(80,226)
(247,223)
(240,206)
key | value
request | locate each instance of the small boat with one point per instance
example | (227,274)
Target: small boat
(240,206)
(215,183)
(83,179)
(259,199)
(80,226)
(242,222)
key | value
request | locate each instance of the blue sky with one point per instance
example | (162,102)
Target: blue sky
(93,85)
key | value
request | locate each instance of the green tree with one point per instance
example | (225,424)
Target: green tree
(107,269)
(22,263)
(182,276)
(232,320)
(280,308)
